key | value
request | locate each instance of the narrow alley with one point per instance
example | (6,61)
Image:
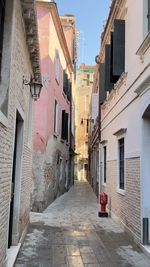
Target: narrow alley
(69,233)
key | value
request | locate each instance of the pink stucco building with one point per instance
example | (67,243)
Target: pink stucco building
(51,135)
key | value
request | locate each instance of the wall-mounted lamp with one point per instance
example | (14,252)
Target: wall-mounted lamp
(97,59)
(35,88)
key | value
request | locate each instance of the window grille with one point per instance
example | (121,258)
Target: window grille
(105,160)
(121,163)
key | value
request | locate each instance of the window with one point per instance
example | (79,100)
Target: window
(64,128)
(65,82)
(2,14)
(121,163)
(105,160)
(57,64)
(148,15)
(56,117)
(88,79)
(115,55)
(87,126)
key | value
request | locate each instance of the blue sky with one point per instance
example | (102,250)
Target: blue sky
(90,16)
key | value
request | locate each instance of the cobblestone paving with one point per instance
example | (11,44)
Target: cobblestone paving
(70,234)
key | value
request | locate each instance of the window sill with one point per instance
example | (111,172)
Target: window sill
(144,46)
(3,120)
(121,191)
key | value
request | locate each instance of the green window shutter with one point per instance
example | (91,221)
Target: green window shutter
(63,125)
(64,128)
(65,82)
(113,78)
(69,90)
(102,92)
(119,47)
(108,84)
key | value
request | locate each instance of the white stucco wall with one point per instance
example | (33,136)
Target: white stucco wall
(124,107)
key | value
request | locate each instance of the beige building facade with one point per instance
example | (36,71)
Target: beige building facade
(83,120)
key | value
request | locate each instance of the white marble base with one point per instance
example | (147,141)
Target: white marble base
(12,253)
(146,249)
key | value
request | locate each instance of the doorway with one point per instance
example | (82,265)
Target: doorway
(145,175)
(13,233)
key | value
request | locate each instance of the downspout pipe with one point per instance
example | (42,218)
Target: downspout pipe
(99,124)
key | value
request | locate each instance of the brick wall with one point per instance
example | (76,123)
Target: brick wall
(17,66)
(125,207)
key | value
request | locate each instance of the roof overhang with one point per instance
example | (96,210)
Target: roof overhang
(61,36)
(30,20)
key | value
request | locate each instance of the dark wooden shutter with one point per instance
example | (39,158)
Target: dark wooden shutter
(102,92)
(113,78)
(108,84)
(63,125)
(65,82)
(119,47)
(64,128)
(69,91)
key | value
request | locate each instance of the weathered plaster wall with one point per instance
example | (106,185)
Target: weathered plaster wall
(50,174)
(51,154)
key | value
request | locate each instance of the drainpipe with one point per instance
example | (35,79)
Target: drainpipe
(99,139)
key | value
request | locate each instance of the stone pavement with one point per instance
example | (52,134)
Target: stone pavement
(70,234)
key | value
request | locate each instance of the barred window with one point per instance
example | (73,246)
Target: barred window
(121,163)
(105,160)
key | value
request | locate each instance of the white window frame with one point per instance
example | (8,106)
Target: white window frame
(57,66)
(145,45)
(55,117)
(119,190)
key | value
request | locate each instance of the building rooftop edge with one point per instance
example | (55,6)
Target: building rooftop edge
(30,20)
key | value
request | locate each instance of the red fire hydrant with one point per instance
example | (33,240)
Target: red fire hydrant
(103,203)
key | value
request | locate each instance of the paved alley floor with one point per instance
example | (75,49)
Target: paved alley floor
(70,234)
